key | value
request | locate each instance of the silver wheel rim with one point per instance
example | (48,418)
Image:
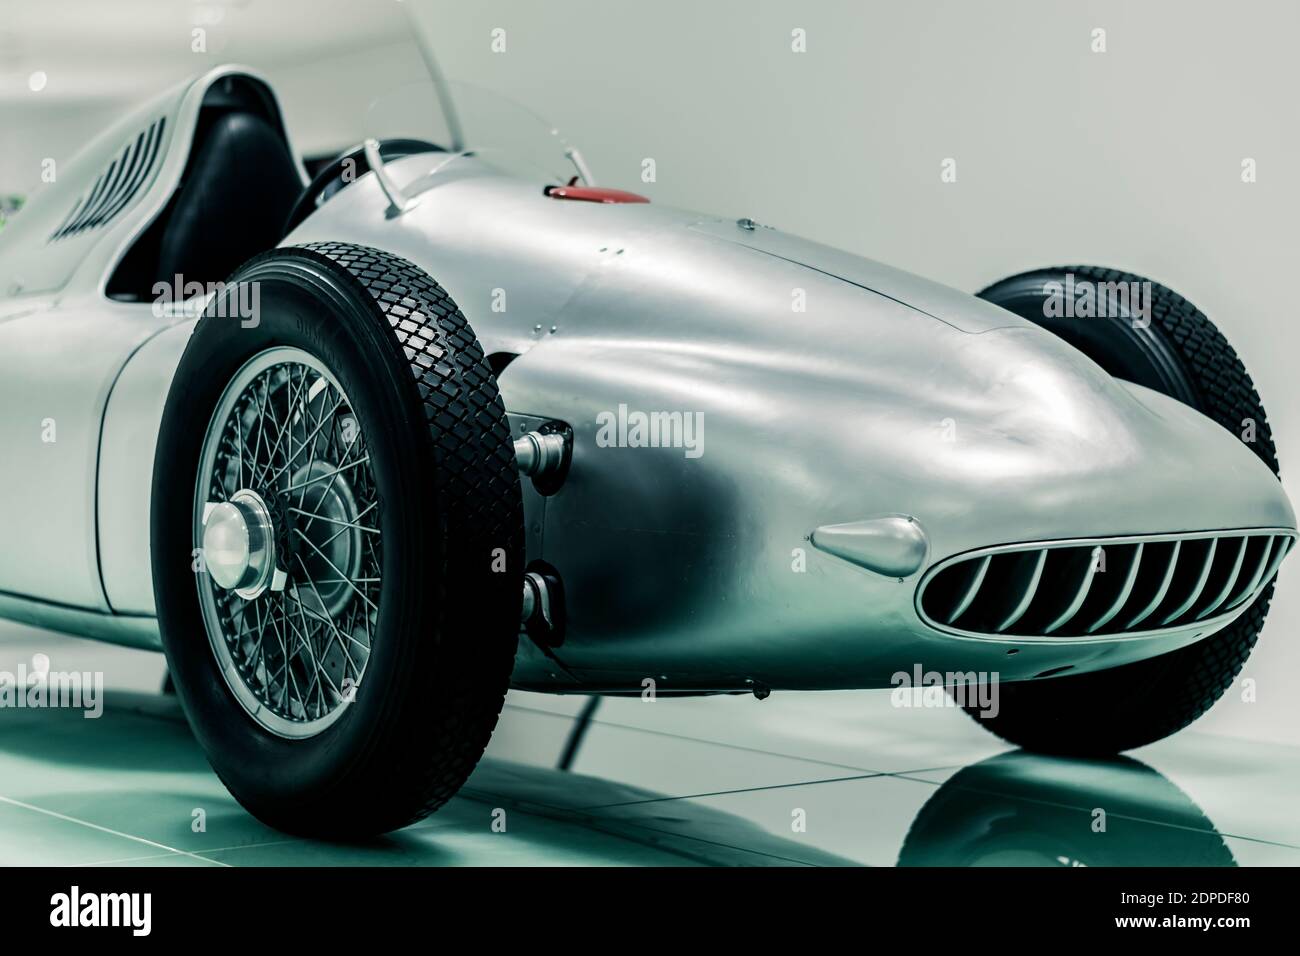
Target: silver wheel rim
(285,503)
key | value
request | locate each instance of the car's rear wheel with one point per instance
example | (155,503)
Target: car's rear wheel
(337,541)
(1176,350)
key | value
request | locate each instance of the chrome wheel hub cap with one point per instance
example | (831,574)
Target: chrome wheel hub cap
(286,518)
(239,544)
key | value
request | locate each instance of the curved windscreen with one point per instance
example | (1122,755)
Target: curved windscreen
(476,120)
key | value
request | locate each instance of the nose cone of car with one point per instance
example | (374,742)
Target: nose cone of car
(1027,439)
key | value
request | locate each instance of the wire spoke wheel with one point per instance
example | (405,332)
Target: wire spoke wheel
(337,506)
(286,517)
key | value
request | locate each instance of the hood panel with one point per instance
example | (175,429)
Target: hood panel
(958,309)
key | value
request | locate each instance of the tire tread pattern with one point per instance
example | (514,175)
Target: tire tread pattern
(477,483)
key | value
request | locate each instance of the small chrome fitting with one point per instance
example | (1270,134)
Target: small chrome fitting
(542,617)
(537,604)
(540,454)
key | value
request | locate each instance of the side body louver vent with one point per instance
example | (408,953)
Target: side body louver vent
(116,186)
(1108,587)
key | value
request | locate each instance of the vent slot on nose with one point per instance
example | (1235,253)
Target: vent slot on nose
(1106,587)
(1006,592)
(953,593)
(1228,559)
(1195,561)
(1155,575)
(1066,581)
(1118,567)
(1259,553)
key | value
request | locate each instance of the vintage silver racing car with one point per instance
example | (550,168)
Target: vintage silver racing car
(450,424)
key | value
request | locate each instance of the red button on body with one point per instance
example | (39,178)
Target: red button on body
(593,194)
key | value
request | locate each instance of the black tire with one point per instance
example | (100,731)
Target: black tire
(1183,355)
(447,492)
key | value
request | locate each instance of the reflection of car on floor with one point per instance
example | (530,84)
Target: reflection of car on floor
(1021,809)
(436,402)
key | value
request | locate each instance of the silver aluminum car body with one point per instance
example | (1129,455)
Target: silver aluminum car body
(908,422)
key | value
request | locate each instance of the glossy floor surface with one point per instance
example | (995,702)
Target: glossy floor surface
(797,779)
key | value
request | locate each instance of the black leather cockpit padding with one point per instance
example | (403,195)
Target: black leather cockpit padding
(238,190)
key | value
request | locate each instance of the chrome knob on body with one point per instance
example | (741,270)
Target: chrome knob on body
(538,453)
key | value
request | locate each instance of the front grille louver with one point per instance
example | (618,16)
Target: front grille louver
(1101,588)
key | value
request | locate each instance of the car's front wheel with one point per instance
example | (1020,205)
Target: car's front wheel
(337,540)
